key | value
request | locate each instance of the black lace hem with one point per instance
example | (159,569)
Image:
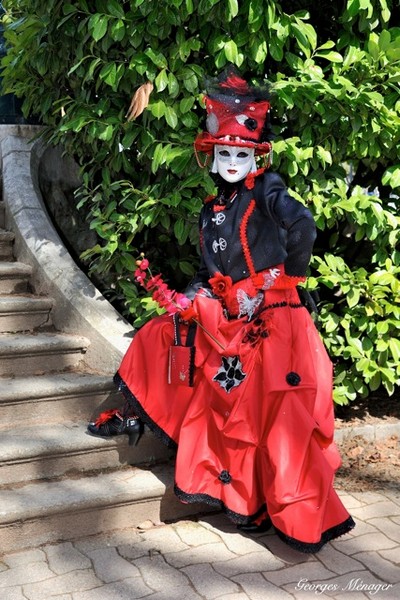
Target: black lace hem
(327,536)
(142,414)
(237,518)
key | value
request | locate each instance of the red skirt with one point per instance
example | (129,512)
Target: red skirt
(254,435)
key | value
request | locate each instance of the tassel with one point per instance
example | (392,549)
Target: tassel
(106,416)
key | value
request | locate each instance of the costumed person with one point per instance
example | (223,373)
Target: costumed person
(239,382)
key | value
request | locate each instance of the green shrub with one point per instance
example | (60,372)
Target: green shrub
(335,76)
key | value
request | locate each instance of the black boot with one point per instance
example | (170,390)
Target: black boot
(111,423)
(254,528)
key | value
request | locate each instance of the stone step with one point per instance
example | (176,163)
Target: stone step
(24,313)
(46,451)
(33,354)
(6,241)
(56,397)
(14,277)
(44,512)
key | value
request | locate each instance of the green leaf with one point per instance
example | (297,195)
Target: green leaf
(109,73)
(115,9)
(305,36)
(394,346)
(233,7)
(173,85)
(157,58)
(353,7)
(329,44)
(353,297)
(118,31)
(179,230)
(334,57)
(186,104)
(157,109)
(384,40)
(190,80)
(161,81)
(171,117)
(98,24)
(392,177)
(69,9)
(231,52)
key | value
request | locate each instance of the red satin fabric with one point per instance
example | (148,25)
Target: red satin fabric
(273,438)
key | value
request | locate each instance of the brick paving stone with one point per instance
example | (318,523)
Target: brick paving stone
(13,593)
(115,538)
(181,593)
(166,536)
(203,554)
(388,527)
(393,594)
(371,542)
(379,566)
(241,544)
(313,572)
(209,559)
(258,588)
(369,497)
(24,558)
(77,581)
(337,561)
(354,596)
(350,501)
(160,539)
(29,573)
(129,589)
(238,596)
(249,563)
(360,529)
(208,583)
(194,534)
(378,509)
(109,566)
(393,555)
(393,495)
(159,575)
(63,558)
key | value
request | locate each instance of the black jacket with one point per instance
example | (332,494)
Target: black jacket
(278,230)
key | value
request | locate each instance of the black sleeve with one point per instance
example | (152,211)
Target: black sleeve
(200,280)
(294,218)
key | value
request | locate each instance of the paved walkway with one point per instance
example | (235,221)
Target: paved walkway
(209,559)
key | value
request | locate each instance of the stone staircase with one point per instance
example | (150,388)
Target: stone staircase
(57,482)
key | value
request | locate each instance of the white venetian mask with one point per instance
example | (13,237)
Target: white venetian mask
(233,163)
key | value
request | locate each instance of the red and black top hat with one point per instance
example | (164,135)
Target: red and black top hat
(237,115)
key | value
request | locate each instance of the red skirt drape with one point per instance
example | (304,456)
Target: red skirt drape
(254,435)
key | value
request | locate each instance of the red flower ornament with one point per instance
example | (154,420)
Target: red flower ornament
(168,299)
(220,284)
